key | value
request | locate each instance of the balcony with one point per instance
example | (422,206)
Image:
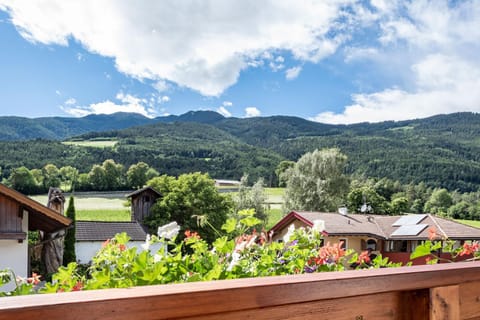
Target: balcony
(443,291)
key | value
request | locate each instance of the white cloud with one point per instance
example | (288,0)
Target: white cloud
(126,103)
(161,86)
(292,73)
(223,109)
(224,112)
(359,53)
(252,112)
(80,57)
(70,102)
(435,44)
(203,46)
(444,85)
(165,99)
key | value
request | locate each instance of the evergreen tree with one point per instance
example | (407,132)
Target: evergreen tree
(69,250)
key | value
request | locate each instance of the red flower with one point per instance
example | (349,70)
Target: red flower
(189,234)
(34,279)
(363,257)
(469,248)
(78,286)
(121,247)
(432,233)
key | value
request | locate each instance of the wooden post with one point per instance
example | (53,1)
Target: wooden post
(445,303)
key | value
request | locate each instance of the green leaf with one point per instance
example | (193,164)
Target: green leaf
(250,221)
(230,225)
(422,250)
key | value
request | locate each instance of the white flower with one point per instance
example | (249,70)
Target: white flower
(234,261)
(169,231)
(146,245)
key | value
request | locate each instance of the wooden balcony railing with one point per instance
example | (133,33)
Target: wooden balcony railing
(444,291)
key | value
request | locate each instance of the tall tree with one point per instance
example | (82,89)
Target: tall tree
(113,174)
(22,180)
(193,201)
(251,198)
(68,174)
(317,182)
(69,250)
(280,171)
(51,176)
(439,202)
(137,175)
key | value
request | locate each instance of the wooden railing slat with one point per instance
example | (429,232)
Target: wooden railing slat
(260,296)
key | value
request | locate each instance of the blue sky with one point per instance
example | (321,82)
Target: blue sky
(328,61)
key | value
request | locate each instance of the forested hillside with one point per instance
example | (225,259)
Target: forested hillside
(442,151)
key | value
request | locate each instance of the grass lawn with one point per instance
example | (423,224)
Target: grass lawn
(103,215)
(93,143)
(274,215)
(97,206)
(472,223)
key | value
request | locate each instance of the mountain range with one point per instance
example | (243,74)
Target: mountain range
(442,151)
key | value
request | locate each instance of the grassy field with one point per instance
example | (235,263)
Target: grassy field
(98,206)
(103,215)
(470,223)
(93,143)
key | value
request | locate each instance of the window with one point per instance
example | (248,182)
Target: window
(371,244)
(397,246)
(344,243)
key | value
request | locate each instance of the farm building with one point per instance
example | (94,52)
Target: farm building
(142,200)
(394,237)
(18,215)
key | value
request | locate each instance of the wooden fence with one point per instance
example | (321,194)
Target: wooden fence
(443,291)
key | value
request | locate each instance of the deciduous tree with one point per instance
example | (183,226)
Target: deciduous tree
(317,181)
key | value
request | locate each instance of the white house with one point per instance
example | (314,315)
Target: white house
(18,215)
(90,235)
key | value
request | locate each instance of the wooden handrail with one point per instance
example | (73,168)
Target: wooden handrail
(418,292)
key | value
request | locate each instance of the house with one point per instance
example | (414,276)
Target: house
(227,183)
(394,237)
(142,200)
(18,215)
(90,235)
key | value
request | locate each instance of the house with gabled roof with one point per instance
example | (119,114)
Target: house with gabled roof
(18,215)
(394,237)
(90,235)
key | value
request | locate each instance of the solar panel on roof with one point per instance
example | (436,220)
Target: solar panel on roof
(409,220)
(410,230)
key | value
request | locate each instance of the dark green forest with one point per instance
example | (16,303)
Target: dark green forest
(442,151)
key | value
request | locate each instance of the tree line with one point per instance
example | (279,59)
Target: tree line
(108,176)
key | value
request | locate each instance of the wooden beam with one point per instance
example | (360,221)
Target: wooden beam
(13,235)
(445,303)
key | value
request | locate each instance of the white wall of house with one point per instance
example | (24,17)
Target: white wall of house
(14,255)
(86,250)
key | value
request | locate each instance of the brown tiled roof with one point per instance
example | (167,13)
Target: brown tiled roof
(40,217)
(380,226)
(101,231)
(136,192)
